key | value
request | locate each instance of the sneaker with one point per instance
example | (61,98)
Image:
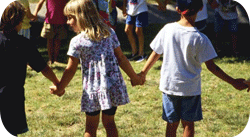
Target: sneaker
(140,58)
(132,56)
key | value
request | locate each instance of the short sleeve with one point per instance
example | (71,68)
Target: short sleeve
(74,48)
(206,50)
(157,44)
(35,60)
(115,40)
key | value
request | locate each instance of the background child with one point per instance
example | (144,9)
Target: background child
(15,52)
(98,50)
(184,49)
(226,15)
(137,15)
(54,29)
(25,31)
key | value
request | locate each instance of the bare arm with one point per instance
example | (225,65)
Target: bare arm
(126,66)
(150,62)
(67,76)
(38,7)
(30,15)
(49,74)
(236,83)
(124,8)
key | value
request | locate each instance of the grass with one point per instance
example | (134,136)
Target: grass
(225,109)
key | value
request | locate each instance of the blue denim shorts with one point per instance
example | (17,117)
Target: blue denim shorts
(140,20)
(176,108)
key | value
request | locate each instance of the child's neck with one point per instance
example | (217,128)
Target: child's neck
(187,21)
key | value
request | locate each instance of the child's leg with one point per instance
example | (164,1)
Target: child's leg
(109,122)
(139,33)
(92,122)
(57,44)
(171,129)
(188,128)
(50,47)
(132,40)
(141,21)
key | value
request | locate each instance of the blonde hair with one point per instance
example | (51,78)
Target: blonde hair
(12,16)
(87,18)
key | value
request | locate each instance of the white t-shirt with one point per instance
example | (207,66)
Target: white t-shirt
(135,7)
(184,49)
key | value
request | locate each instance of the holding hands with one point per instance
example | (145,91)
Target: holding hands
(139,80)
(54,90)
(239,84)
(248,83)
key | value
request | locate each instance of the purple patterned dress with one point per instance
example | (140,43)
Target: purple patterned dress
(103,84)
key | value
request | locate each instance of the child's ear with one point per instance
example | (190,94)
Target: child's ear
(178,10)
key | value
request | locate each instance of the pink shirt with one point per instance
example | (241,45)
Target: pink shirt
(54,13)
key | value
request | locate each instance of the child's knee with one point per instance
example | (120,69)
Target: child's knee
(139,31)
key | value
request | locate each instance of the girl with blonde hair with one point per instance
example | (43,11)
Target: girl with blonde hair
(98,50)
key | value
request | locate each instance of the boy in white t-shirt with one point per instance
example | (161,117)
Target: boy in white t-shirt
(137,15)
(184,49)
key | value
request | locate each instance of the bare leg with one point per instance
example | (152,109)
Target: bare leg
(109,124)
(139,33)
(171,129)
(234,42)
(50,48)
(188,128)
(131,37)
(92,123)
(57,45)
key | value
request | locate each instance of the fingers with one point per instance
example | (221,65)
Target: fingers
(55,91)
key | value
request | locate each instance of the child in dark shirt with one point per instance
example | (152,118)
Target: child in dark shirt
(15,53)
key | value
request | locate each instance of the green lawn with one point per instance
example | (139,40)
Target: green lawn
(225,109)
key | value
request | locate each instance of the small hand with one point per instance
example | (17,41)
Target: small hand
(240,84)
(55,91)
(142,77)
(248,83)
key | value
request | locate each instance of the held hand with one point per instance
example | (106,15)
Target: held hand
(139,80)
(248,83)
(136,81)
(54,90)
(239,84)
(142,77)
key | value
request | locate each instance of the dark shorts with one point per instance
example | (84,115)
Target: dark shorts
(140,20)
(12,110)
(187,108)
(219,23)
(109,112)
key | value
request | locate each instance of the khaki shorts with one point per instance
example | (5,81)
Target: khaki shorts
(56,31)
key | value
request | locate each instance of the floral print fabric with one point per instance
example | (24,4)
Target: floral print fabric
(103,84)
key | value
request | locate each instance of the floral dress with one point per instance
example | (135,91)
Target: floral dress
(103,84)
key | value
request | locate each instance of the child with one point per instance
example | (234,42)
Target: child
(137,15)
(25,31)
(54,29)
(184,49)
(15,52)
(97,48)
(226,15)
